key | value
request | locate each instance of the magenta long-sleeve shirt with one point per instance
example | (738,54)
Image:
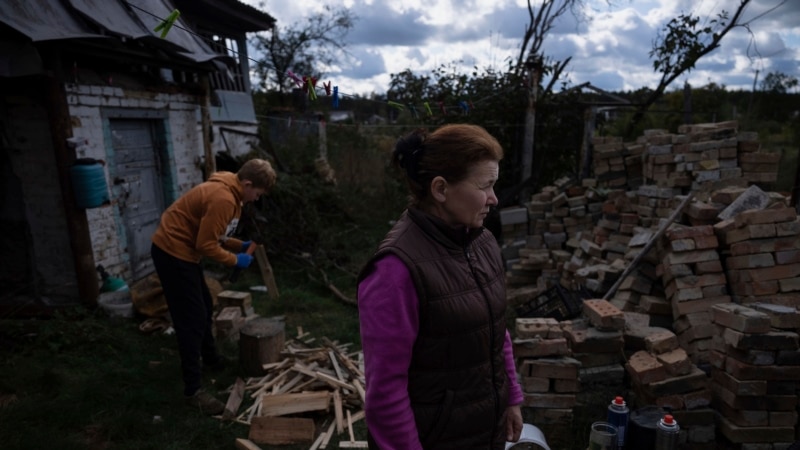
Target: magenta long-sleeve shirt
(388,311)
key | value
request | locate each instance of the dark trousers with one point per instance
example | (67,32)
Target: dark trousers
(191,309)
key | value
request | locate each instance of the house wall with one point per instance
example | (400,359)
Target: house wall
(35,238)
(182,144)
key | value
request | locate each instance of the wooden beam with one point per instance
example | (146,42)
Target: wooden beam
(246,444)
(661,230)
(281,430)
(266,272)
(234,400)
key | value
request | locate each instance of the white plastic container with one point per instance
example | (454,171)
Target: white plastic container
(116,303)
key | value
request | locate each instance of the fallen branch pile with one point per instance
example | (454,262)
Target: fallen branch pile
(313,379)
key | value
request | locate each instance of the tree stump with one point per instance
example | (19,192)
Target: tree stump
(260,342)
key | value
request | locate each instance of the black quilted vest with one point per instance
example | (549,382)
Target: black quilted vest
(457,381)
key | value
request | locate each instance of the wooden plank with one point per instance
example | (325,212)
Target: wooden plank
(234,400)
(266,272)
(350,426)
(337,409)
(328,434)
(360,390)
(281,430)
(246,444)
(335,382)
(656,238)
(354,444)
(282,404)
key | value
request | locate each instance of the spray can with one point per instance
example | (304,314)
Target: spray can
(667,433)
(618,413)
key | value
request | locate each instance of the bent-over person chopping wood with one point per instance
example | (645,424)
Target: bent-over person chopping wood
(199,225)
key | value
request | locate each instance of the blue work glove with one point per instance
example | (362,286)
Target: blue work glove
(245,244)
(243,260)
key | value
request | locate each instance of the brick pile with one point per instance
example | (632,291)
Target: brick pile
(662,374)
(761,254)
(693,280)
(641,290)
(700,157)
(757,166)
(548,373)
(609,159)
(597,342)
(755,369)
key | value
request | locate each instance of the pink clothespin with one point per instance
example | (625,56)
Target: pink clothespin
(297,80)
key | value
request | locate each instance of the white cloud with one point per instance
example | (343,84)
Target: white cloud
(610,49)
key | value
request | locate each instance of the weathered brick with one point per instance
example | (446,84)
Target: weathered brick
(764,216)
(683,232)
(765,246)
(603,314)
(530,327)
(781,317)
(545,400)
(661,342)
(704,267)
(739,387)
(564,367)
(676,362)
(789,284)
(535,384)
(683,308)
(765,274)
(744,371)
(691,257)
(750,261)
(644,368)
(692,381)
(740,318)
(537,347)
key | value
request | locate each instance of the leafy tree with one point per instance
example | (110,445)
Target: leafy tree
(778,83)
(305,48)
(684,41)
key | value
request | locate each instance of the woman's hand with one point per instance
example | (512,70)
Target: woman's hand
(513,423)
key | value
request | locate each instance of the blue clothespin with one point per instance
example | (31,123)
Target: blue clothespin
(335,97)
(464,106)
(413,110)
(167,23)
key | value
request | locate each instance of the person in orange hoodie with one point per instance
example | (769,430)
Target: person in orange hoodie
(199,225)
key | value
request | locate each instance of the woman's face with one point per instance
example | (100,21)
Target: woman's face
(467,203)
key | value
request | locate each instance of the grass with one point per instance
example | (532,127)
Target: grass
(82,380)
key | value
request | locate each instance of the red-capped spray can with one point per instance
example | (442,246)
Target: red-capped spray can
(618,414)
(667,432)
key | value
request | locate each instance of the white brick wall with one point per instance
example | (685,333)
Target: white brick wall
(86,104)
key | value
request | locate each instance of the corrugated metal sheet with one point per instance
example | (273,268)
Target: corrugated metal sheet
(43,20)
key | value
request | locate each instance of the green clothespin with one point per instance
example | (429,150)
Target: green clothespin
(395,105)
(167,23)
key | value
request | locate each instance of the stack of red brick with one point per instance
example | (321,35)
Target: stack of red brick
(755,372)
(761,253)
(693,282)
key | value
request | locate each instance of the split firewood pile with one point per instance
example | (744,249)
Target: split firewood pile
(316,385)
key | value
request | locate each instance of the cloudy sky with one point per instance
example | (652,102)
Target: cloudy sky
(609,48)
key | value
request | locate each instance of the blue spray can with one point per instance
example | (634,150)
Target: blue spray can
(618,413)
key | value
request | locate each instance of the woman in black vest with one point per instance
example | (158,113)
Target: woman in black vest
(438,359)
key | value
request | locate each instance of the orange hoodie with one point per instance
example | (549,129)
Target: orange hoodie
(200,222)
